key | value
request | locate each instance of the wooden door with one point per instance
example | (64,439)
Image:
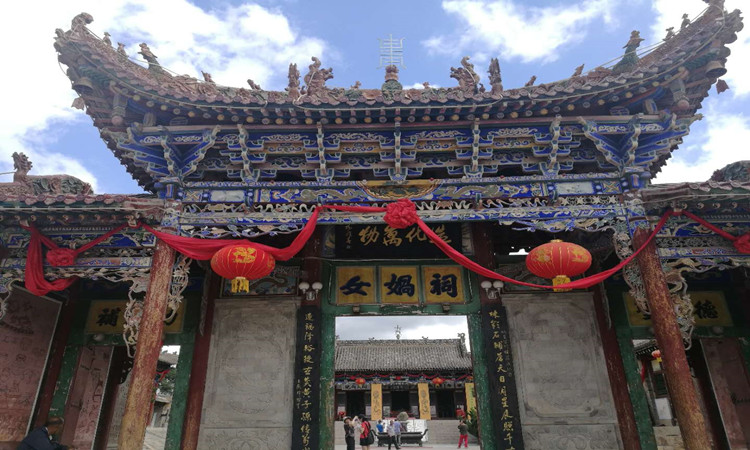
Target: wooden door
(731,386)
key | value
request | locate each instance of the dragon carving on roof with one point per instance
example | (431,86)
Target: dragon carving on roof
(25,184)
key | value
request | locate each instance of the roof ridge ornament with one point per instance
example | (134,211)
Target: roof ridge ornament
(292,88)
(630,58)
(468,79)
(315,80)
(496,79)
(152,60)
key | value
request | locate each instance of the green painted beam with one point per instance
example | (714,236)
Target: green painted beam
(481,382)
(182,379)
(327,390)
(635,388)
(70,359)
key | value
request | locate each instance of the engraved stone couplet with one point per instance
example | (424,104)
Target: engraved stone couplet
(502,378)
(306,415)
(249,395)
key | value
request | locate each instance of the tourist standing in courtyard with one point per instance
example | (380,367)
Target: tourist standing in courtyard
(348,433)
(392,440)
(463,434)
(365,437)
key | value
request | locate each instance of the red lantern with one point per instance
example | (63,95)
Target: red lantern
(360,381)
(656,354)
(437,381)
(242,263)
(558,261)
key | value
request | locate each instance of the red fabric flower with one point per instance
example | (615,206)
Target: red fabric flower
(742,243)
(59,257)
(401,214)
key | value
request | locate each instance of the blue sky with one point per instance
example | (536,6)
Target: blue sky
(236,40)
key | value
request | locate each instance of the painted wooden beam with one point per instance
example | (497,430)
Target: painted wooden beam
(682,391)
(137,406)
(199,368)
(616,371)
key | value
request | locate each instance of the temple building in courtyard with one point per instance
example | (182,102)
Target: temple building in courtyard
(268,214)
(380,378)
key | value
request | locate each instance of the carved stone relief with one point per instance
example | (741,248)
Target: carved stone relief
(563,387)
(248,398)
(25,335)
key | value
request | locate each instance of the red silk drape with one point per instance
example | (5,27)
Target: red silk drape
(398,214)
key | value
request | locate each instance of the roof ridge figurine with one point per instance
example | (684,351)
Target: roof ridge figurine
(496,79)
(467,77)
(25,184)
(630,58)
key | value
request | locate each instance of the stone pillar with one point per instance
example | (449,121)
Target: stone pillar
(499,420)
(194,408)
(695,434)
(137,407)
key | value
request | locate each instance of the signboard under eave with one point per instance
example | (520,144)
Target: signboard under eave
(438,284)
(108,317)
(709,310)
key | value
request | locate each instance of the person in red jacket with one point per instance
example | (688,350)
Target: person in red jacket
(366,437)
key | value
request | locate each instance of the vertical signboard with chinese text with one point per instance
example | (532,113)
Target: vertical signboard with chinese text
(503,395)
(306,418)
(423,389)
(376,401)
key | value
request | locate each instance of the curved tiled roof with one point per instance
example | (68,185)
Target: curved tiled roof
(690,49)
(402,355)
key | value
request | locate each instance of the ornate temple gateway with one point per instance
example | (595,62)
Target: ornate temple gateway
(383,201)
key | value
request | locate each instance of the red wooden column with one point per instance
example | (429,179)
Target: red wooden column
(62,332)
(197,386)
(137,406)
(695,434)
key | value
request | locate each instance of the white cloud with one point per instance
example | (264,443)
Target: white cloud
(669,14)
(723,142)
(233,43)
(412,327)
(418,85)
(517,31)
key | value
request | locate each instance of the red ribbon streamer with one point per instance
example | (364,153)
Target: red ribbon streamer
(399,214)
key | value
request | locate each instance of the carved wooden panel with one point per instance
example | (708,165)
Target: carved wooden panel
(248,398)
(566,401)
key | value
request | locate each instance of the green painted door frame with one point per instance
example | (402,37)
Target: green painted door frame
(185,339)
(470,309)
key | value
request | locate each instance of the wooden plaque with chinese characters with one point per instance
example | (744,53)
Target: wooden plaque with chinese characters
(709,310)
(399,284)
(382,241)
(355,284)
(108,317)
(443,284)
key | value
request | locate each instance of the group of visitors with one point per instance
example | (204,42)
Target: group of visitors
(360,426)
